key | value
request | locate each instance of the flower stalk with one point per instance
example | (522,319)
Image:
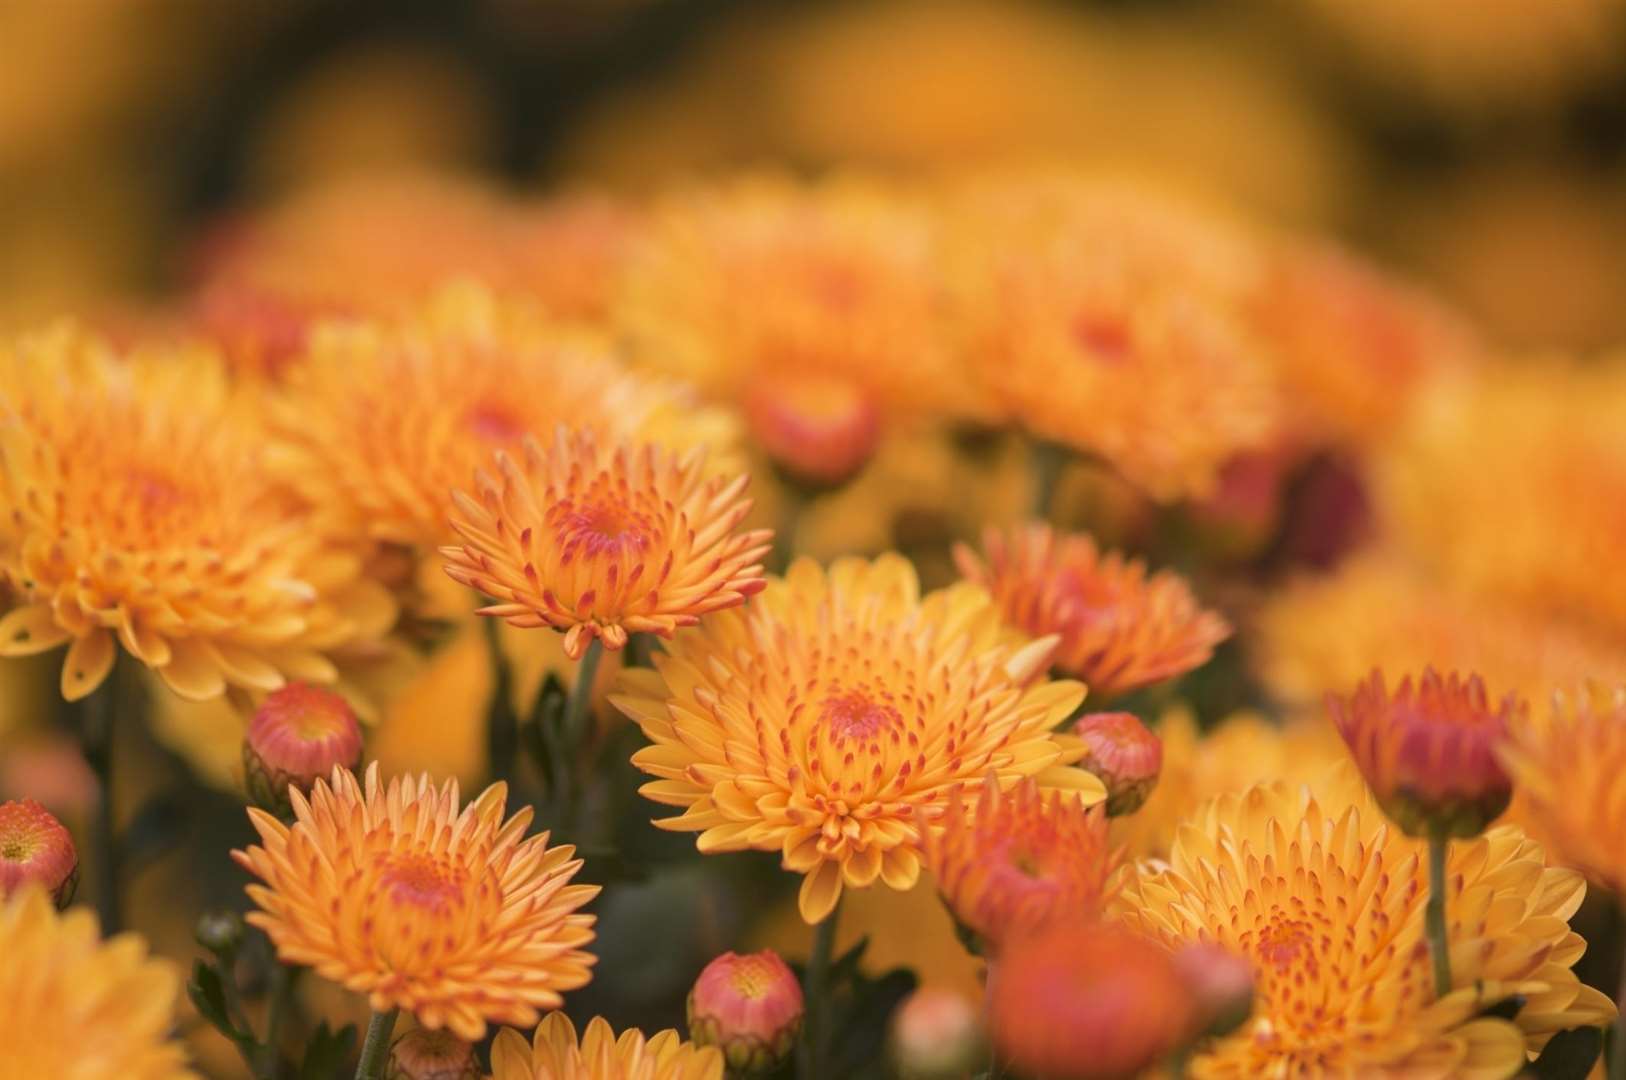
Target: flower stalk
(502,722)
(1439,945)
(375,1051)
(811,1058)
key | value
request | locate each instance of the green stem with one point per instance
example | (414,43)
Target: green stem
(793,501)
(99,712)
(1438,944)
(1617,1050)
(282,984)
(815,1037)
(1048,461)
(502,723)
(578,709)
(375,1051)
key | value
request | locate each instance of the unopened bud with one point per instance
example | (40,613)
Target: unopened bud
(36,849)
(937,1035)
(821,431)
(422,1054)
(749,1007)
(219,931)
(298,734)
(1124,754)
(1221,986)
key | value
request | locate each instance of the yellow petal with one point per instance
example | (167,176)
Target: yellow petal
(191,674)
(29,630)
(820,891)
(89,660)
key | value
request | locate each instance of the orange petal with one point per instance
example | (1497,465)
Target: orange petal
(89,660)
(820,891)
(29,630)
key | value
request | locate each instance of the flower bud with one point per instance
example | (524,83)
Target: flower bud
(1124,754)
(1429,751)
(422,1054)
(219,931)
(820,431)
(937,1035)
(750,1007)
(298,734)
(35,848)
(1221,987)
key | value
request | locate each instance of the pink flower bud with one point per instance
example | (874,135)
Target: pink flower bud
(937,1035)
(422,1054)
(35,848)
(821,431)
(298,734)
(1124,754)
(750,1007)
(1221,986)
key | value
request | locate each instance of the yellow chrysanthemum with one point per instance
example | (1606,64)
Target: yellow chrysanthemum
(1514,486)
(139,510)
(833,718)
(1321,635)
(1093,326)
(382,421)
(599,540)
(555,1054)
(1569,770)
(1327,901)
(396,892)
(742,284)
(1120,627)
(78,1008)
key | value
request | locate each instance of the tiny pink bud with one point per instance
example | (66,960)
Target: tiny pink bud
(298,734)
(1221,985)
(35,848)
(1124,754)
(422,1054)
(937,1035)
(749,1007)
(821,431)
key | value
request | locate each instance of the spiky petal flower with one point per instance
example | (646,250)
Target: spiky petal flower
(555,1055)
(1120,628)
(78,1007)
(297,736)
(397,893)
(1125,754)
(1086,1001)
(832,719)
(749,1007)
(1327,900)
(1570,766)
(36,849)
(1020,859)
(140,512)
(601,541)
(422,1054)
(1429,750)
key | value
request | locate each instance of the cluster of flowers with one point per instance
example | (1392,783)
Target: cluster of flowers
(261,499)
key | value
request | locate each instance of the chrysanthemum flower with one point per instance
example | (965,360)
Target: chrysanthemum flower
(1570,768)
(838,280)
(140,513)
(1086,1001)
(833,718)
(1019,860)
(78,1007)
(750,1007)
(1120,627)
(398,893)
(1428,751)
(36,850)
(297,736)
(599,540)
(555,1055)
(1327,900)
(381,421)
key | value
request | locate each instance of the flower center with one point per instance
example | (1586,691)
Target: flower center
(1286,943)
(606,528)
(495,423)
(854,716)
(1095,600)
(422,881)
(1103,339)
(752,979)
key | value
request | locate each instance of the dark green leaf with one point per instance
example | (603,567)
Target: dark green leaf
(540,732)
(845,967)
(1569,1055)
(862,1022)
(210,999)
(328,1053)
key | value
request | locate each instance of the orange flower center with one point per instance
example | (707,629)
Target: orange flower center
(751,978)
(1103,339)
(1286,942)
(852,715)
(1094,599)
(604,529)
(423,882)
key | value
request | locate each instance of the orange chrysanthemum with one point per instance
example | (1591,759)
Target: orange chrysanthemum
(832,719)
(761,278)
(78,1007)
(1428,751)
(1570,769)
(555,1055)
(1020,859)
(397,893)
(382,421)
(601,541)
(140,511)
(1120,628)
(1327,900)
(1092,325)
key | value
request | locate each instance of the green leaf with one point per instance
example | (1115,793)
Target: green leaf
(863,1020)
(540,732)
(328,1053)
(844,969)
(1569,1055)
(209,996)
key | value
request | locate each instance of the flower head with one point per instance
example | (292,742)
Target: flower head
(1570,766)
(1020,859)
(1429,750)
(397,893)
(1086,1001)
(76,1006)
(601,541)
(298,735)
(821,431)
(382,420)
(1125,754)
(141,512)
(422,1054)
(1120,628)
(1326,900)
(750,1007)
(937,1035)
(832,719)
(555,1055)
(35,849)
